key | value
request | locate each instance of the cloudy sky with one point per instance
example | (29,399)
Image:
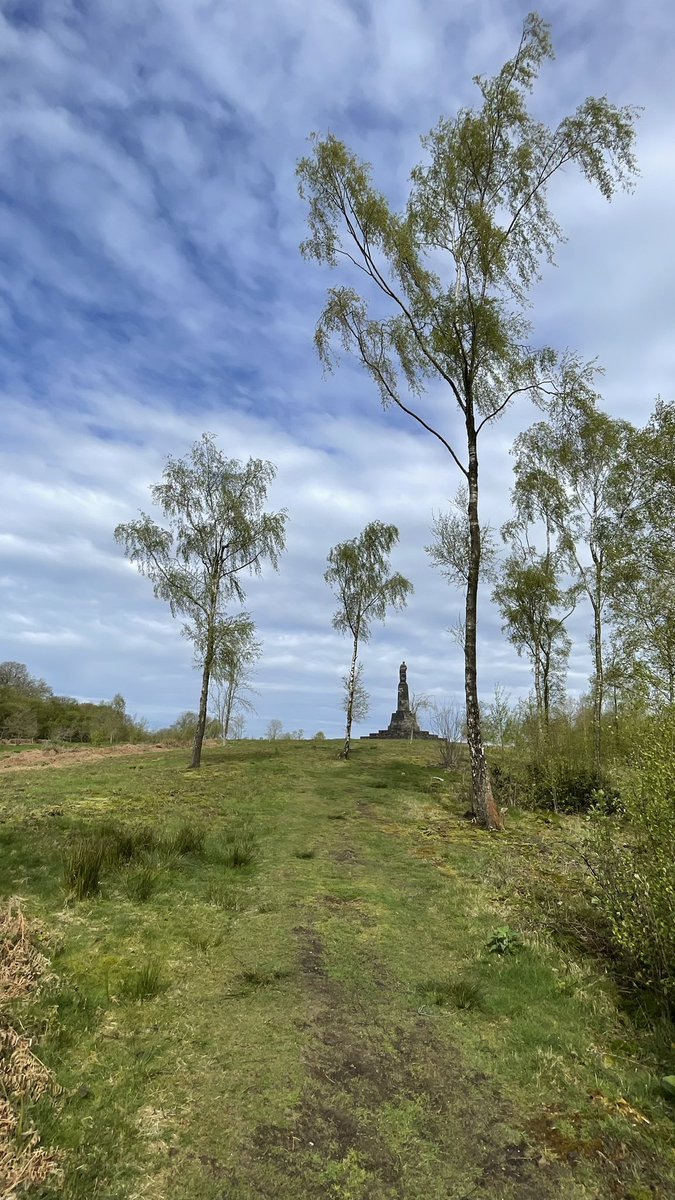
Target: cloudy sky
(152,289)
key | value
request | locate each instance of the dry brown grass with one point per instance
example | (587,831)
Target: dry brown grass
(71,756)
(23,1077)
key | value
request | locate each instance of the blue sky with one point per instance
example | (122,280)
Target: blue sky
(152,289)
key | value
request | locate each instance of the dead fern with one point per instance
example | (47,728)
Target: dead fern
(23,967)
(24,1078)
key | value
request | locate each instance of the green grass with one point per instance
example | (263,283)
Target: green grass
(459,993)
(144,982)
(283,986)
(141,883)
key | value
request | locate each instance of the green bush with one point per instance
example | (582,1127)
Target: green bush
(504,941)
(552,784)
(632,858)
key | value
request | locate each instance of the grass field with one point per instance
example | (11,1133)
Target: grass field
(290,985)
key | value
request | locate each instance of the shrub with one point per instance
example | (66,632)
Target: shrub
(82,865)
(448,721)
(632,859)
(551,784)
(504,941)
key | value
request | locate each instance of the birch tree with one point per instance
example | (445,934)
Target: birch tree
(576,473)
(446,281)
(358,573)
(231,673)
(642,599)
(535,606)
(216,531)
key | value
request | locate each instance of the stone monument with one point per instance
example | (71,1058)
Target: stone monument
(403,722)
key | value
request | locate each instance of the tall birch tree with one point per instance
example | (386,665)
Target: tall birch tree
(642,597)
(446,281)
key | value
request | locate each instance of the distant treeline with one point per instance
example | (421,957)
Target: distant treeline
(30,711)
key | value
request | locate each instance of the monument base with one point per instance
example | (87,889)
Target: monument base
(402,737)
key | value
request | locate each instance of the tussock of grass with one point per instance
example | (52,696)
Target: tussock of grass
(145,982)
(188,839)
(239,854)
(309,853)
(260,977)
(221,896)
(83,863)
(121,844)
(238,848)
(204,941)
(140,883)
(460,993)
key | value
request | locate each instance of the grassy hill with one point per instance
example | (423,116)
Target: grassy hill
(308,978)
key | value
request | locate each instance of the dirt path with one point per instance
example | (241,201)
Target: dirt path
(366,1076)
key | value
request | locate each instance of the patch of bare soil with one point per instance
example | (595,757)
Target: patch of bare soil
(66,756)
(361,1070)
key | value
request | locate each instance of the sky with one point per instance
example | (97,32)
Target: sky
(152,289)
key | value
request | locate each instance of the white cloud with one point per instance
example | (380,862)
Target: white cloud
(153,289)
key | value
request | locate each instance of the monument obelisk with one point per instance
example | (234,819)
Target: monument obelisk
(403,722)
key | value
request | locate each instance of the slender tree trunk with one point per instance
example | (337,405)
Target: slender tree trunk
(229,702)
(484,807)
(599,685)
(203,704)
(546,687)
(538,698)
(350,701)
